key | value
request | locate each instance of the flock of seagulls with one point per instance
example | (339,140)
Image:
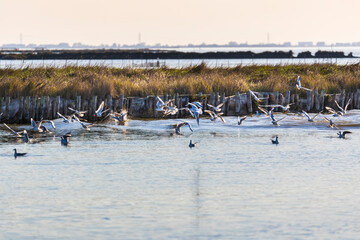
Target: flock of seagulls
(76,117)
(195,109)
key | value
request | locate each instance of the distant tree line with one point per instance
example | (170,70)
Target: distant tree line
(159,54)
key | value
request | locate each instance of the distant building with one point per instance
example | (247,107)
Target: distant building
(320,44)
(286,44)
(305,44)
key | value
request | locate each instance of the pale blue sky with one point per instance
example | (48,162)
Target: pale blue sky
(178,22)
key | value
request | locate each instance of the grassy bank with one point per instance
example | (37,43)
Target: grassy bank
(87,81)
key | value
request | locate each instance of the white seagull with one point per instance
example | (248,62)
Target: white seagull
(256,97)
(310,119)
(331,123)
(334,113)
(100,109)
(217,108)
(240,120)
(343,110)
(180,124)
(298,85)
(79,113)
(274,121)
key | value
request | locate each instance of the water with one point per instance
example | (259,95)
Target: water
(143,182)
(181,63)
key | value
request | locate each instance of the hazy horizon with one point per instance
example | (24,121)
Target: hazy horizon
(178,23)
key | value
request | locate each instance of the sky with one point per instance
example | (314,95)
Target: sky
(178,22)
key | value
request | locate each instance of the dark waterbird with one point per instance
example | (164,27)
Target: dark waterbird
(65,139)
(276,141)
(191,144)
(342,134)
(16,154)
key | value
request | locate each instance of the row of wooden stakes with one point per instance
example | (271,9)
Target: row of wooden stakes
(22,109)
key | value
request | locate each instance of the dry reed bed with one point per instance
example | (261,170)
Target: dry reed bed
(72,81)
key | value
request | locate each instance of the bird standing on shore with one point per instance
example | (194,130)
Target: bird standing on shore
(16,154)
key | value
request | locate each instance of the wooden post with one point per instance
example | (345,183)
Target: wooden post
(222,100)
(177,103)
(322,100)
(308,100)
(109,102)
(121,101)
(287,97)
(78,103)
(37,108)
(216,99)
(7,110)
(28,106)
(65,106)
(48,107)
(237,102)
(276,93)
(317,100)
(21,107)
(58,104)
(212,98)
(342,98)
(249,102)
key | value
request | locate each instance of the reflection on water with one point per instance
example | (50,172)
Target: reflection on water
(142,181)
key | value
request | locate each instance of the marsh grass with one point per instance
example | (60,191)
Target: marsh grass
(88,81)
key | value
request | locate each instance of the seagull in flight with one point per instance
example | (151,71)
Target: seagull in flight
(180,124)
(17,134)
(79,113)
(100,109)
(310,119)
(284,108)
(274,121)
(214,116)
(256,97)
(240,120)
(333,112)
(331,123)
(81,123)
(343,110)
(67,119)
(298,85)
(36,126)
(217,108)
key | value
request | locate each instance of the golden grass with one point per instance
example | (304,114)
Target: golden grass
(72,81)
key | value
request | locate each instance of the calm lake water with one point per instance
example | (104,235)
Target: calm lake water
(181,63)
(141,181)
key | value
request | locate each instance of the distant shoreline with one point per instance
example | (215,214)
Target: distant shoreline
(135,54)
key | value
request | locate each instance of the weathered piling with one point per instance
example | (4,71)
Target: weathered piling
(249,102)
(22,108)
